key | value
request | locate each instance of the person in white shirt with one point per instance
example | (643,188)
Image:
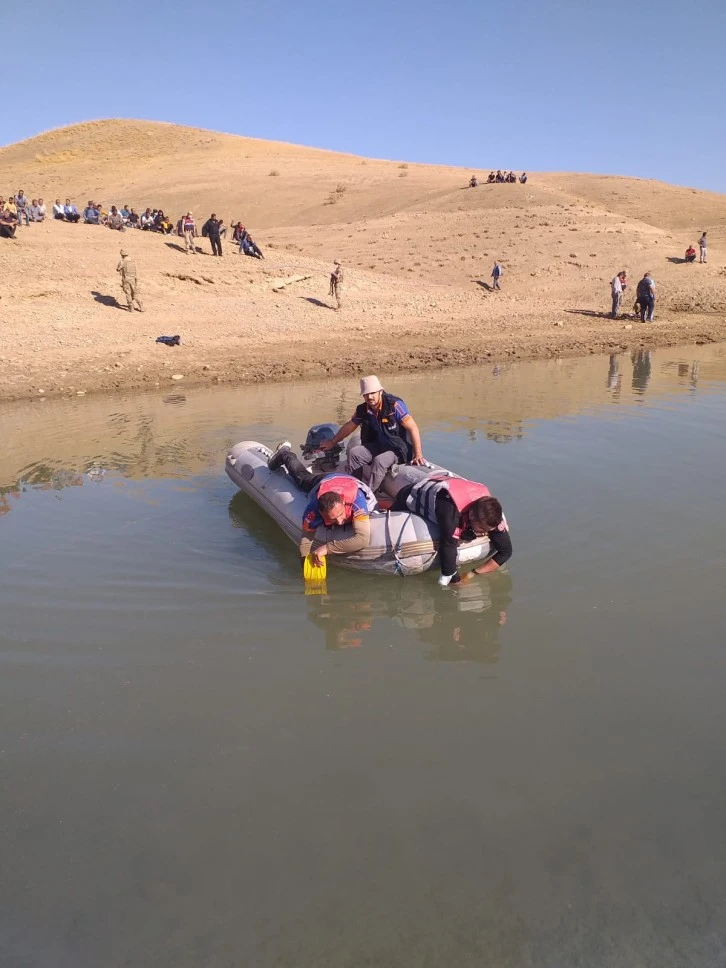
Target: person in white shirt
(616,287)
(703,246)
(41,210)
(58,210)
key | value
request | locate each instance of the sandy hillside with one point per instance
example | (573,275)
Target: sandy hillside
(417,247)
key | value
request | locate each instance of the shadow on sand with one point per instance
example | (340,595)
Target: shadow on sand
(105,300)
(317,302)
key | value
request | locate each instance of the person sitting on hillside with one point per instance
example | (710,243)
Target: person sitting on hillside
(133,219)
(22,206)
(492,178)
(70,212)
(8,220)
(500,177)
(690,254)
(115,221)
(511,178)
(247,245)
(163,224)
(125,212)
(523,178)
(34,212)
(147,220)
(473,182)
(91,215)
(238,230)
(42,210)
(58,210)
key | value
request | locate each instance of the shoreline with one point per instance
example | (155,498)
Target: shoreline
(136,366)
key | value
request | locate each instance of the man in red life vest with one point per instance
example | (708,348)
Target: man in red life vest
(462,509)
(337,500)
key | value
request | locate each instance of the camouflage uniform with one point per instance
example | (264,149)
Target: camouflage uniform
(129,283)
(336,284)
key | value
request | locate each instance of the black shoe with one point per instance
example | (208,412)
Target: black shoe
(278,458)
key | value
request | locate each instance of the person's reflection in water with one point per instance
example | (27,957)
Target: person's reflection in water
(642,364)
(342,622)
(464,625)
(467,624)
(695,367)
(615,378)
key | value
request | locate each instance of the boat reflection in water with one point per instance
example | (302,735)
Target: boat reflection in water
(461,623)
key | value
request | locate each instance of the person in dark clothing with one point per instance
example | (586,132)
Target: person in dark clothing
(247,245)
(388,433)
(646,298)
(445,502)
(211,230)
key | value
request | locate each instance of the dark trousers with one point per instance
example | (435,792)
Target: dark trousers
(646,309)
(300,474)
(216,244)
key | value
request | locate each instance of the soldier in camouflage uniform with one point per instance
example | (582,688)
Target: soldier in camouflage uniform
(336,284)
(129,282)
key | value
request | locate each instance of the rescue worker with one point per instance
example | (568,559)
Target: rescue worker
(462,509)
(336,284)
(129,282)
(385,428)
(336,500)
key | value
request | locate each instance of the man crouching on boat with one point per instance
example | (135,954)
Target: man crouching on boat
(337,500)
(463,510)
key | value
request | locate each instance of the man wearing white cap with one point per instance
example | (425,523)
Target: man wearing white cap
(389,435)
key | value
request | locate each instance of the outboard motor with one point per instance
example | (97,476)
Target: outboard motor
(322,460)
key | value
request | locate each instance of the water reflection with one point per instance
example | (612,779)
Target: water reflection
(181,434)
(642,361)
(456,624)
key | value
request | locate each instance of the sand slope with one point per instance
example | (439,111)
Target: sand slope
(417,245)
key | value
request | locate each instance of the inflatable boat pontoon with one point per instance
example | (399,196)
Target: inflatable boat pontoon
(401,542)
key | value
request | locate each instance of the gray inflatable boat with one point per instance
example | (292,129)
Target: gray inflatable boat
(401,543)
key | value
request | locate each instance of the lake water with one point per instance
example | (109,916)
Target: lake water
(202,767)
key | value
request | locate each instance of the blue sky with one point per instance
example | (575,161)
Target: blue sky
(631,88)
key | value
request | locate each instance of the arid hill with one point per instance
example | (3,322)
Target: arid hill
(416,243)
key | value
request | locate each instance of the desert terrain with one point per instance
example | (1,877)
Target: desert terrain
(416,244)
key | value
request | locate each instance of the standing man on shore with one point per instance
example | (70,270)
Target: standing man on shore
(617,286)
(211,229)
(129,282)
(189,230)
(496,276)
(336,284)
(703,247)
(646,298)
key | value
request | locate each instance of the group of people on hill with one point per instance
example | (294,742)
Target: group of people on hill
(644,296)
(645,293)
(17,209)
(703,249)
(390,437)
(500,178)
(215,230)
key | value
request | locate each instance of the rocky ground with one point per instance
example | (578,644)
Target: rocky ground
(416,245)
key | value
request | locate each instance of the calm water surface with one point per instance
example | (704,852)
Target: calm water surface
(202,767)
